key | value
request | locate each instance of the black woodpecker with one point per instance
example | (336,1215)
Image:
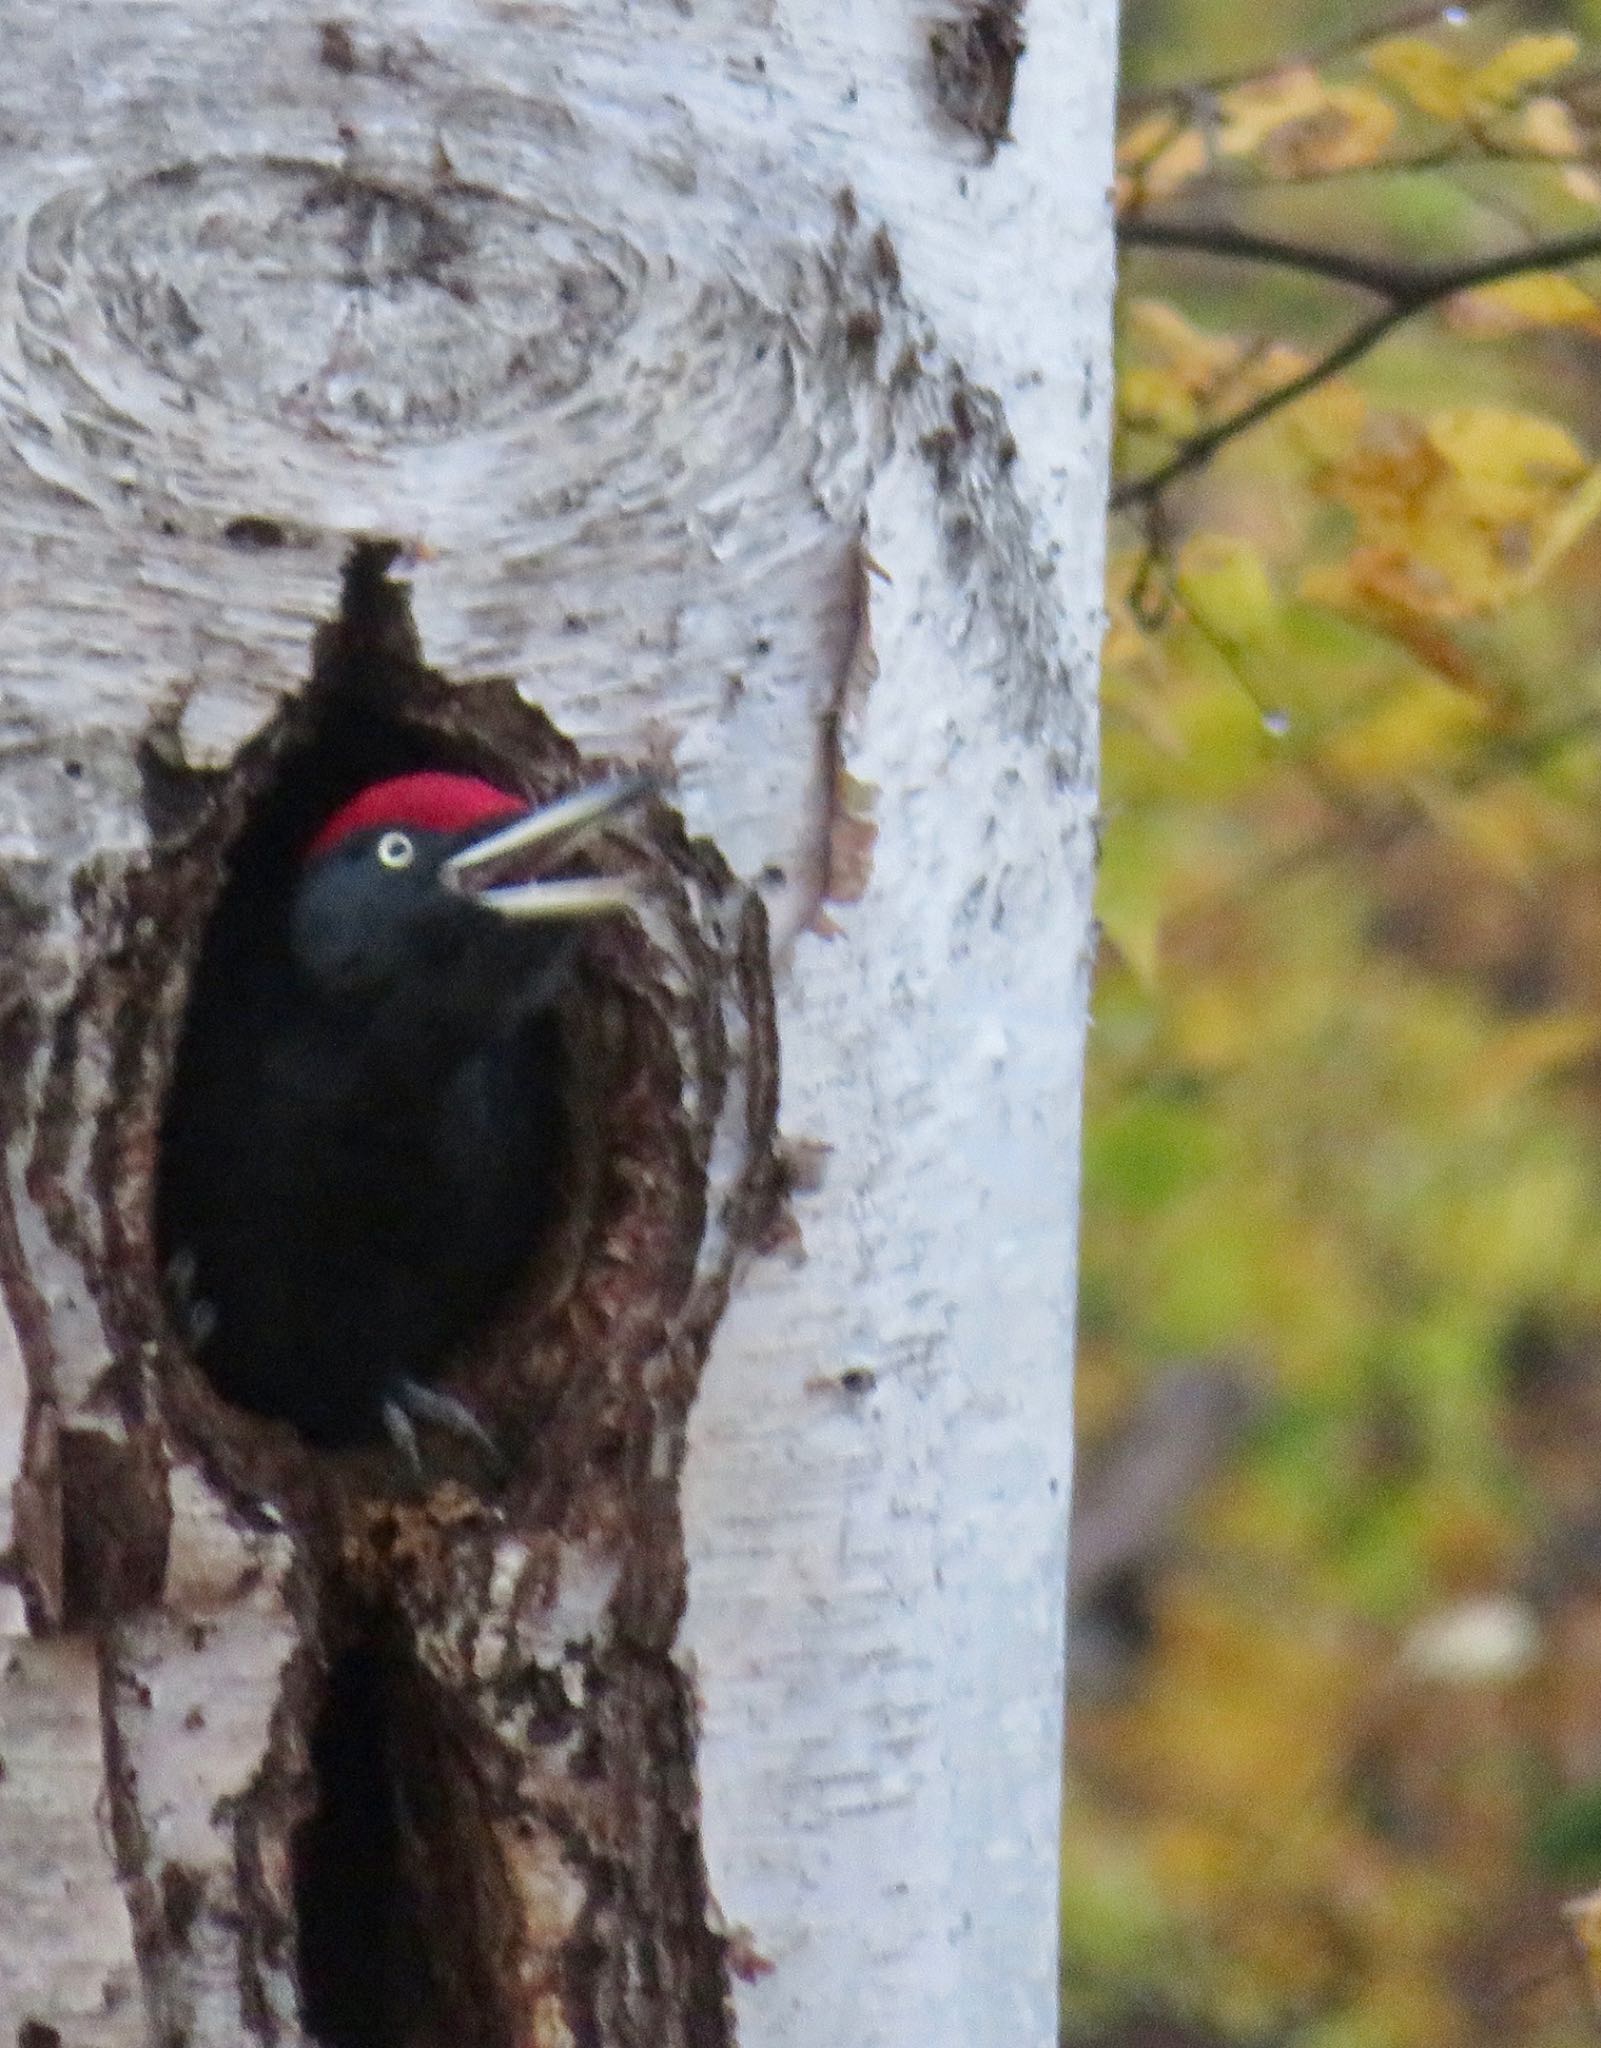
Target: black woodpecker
(364,1138)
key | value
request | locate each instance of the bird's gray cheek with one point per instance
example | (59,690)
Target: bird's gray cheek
(336,957)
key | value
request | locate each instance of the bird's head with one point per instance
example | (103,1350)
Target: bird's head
(441,875)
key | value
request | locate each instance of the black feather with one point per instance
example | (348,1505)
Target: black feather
(364,1139)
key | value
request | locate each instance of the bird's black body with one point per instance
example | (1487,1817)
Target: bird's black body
(365,1134)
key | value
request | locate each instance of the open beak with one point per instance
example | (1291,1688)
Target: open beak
(506,871)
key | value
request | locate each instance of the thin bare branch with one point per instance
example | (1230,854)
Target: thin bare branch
(1427,286)
(1194,454)
(1443,158)
(1408,285)
(1467,149)
(1223,238)
(1415,14)
(1408,290)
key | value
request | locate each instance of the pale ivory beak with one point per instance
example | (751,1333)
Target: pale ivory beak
(543,839)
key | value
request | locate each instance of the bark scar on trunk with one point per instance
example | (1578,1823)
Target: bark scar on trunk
(975,61)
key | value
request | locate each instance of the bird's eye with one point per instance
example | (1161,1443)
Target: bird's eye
(395,850)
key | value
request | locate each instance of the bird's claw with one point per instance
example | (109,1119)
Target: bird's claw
(197,1314)
(410,1402)
(398,1427)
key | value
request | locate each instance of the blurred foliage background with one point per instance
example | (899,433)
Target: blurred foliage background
(1335,1770)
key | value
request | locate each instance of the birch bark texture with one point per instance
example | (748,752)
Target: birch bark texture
(715,385)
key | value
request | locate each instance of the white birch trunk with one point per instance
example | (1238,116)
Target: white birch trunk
(734,390)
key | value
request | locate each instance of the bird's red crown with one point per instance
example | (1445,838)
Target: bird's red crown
(430,801)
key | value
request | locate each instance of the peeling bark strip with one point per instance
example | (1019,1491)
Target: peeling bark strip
(975,68)
(535,390)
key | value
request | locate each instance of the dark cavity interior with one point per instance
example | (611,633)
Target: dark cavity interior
(396,1913)
(364,1971)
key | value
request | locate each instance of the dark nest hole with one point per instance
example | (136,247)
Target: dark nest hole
(403,1921)
(372,710)
(408,1924)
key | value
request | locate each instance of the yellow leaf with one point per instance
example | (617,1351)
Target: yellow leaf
(1224,583)
(1197,359)
(1122,644)
(1131,895)
(1263,369)
(1441,85)
(1545,298)
(1251,112)
(1172,168)
(1389,472)
(1582,185)
(1455,516)
(1415,728)
(1432,81)
(1514,459)
(1156,399)
(1304,126)
(1525,61)
(1328,422)
(1353,128)
(1144,139)
(1546,127)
